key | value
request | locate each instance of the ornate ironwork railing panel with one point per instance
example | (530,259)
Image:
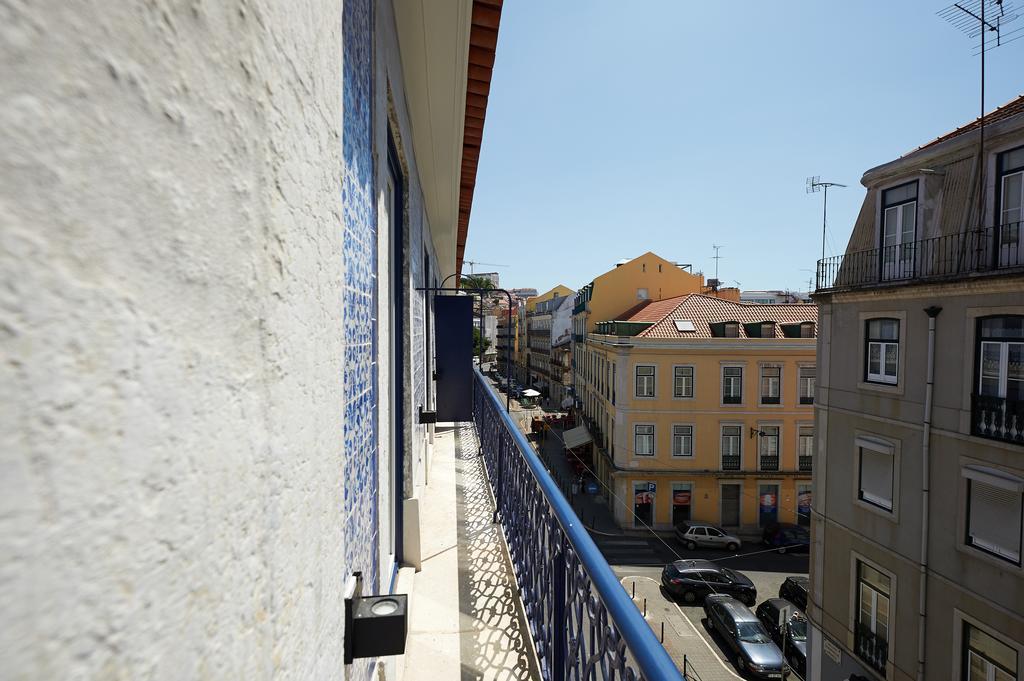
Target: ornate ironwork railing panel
(769,462)
(870,647)
(730,462)
(584,625)
(997,418)
(975,251)
(805,463)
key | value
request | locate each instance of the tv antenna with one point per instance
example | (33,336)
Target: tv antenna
(979,19)
(716,258)
(815,185)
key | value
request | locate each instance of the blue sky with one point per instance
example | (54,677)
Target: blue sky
(615,128)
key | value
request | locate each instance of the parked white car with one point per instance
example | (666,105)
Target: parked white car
(706,536)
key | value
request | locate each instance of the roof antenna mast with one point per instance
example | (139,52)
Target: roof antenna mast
(716,258)
(815,185)
(978,19)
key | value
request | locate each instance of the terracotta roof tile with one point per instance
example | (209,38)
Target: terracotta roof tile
(1011,108)
(705,310)
(649,310)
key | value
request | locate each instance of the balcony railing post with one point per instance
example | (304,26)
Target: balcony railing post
(559,630)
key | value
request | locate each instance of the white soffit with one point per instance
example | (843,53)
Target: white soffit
(433,39)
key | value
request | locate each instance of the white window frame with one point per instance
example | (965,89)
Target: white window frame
(804,441)
(761,440)
(883,347)
(721,442)
(652,435)
(806,385)
(693,382)
(961,621)
(777,384)
(740,378)
(875,594)
(683,437)
(872,501)
(651,379)
(1009,485)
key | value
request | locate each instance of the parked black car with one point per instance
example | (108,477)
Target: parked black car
(788,628)
(692,580)
(787,537)
(794,590)
(756,653)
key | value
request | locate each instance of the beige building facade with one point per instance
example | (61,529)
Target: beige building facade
(916,568)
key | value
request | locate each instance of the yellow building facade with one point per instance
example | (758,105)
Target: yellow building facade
(702,409)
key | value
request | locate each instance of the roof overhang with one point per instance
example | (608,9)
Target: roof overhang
(447,52)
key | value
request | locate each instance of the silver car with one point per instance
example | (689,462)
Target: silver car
(707,536)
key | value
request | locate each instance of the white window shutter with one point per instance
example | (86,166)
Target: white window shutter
(995,522)
(876,477)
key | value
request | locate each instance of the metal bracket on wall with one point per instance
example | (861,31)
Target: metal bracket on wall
(427,416)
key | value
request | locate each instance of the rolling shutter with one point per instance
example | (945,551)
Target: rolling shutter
(876,477)
(995,522)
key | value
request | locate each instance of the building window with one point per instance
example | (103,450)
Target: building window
(995,502)
(899,228)
(645,381)
(771,384)
(871,636)
(682,440)
(997,409)
(805,448)
(883,350)
(643,440)
(732,385)
(682,382)
(768,448)
(807,379)
(986,658)
(1011,207)
(731,443)
(875,473)
(725,329)
(641,294)
(807,329)
(682,497)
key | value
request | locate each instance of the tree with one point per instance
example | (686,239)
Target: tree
(472,282)
(480,344)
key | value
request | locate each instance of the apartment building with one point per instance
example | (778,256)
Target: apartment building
(701,409)
(506,345)
(535,338)
(916,563)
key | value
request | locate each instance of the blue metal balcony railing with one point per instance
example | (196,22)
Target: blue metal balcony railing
(583,623)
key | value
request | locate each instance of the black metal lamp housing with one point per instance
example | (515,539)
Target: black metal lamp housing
(375,626)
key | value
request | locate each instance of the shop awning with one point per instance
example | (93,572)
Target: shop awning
(530,392)
(576,437)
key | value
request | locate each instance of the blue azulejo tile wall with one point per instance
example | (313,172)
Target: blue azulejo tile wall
(359,306)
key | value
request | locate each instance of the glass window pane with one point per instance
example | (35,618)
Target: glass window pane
(991,649)
(891,354)
(1003,327)
(875,358)
(909,222)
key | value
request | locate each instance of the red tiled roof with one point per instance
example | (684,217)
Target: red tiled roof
(1011,108)
(705,310)
(649,310)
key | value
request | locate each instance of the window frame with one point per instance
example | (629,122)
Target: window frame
(654,441)
(691,437)
(890,596)
(730,400)
(761,439)
(803,398)
(1010,483)
(693,381)
(721,444)
(884,207)
(965,649)
(1003,342)
(652,377)
(879,446)
(770,400)
(884,343)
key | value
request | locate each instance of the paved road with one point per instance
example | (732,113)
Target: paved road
(685,632)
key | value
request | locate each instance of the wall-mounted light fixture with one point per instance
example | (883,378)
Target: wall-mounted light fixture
(375,626)
(755,431)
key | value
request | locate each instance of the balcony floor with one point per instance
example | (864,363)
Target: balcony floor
(465,619)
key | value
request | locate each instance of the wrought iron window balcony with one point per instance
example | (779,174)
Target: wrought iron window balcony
(730,462)
(870,647)
(992,250)
(804,463)
(769,463)
(583,623)
(997,418)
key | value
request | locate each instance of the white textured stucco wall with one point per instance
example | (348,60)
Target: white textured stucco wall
(170,384)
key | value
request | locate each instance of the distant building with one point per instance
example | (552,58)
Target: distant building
(536,351)
(701,409)
(523,293)
(774,297)
(489,276)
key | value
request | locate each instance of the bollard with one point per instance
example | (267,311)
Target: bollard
(645,607)
(634,590)
(662,633)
